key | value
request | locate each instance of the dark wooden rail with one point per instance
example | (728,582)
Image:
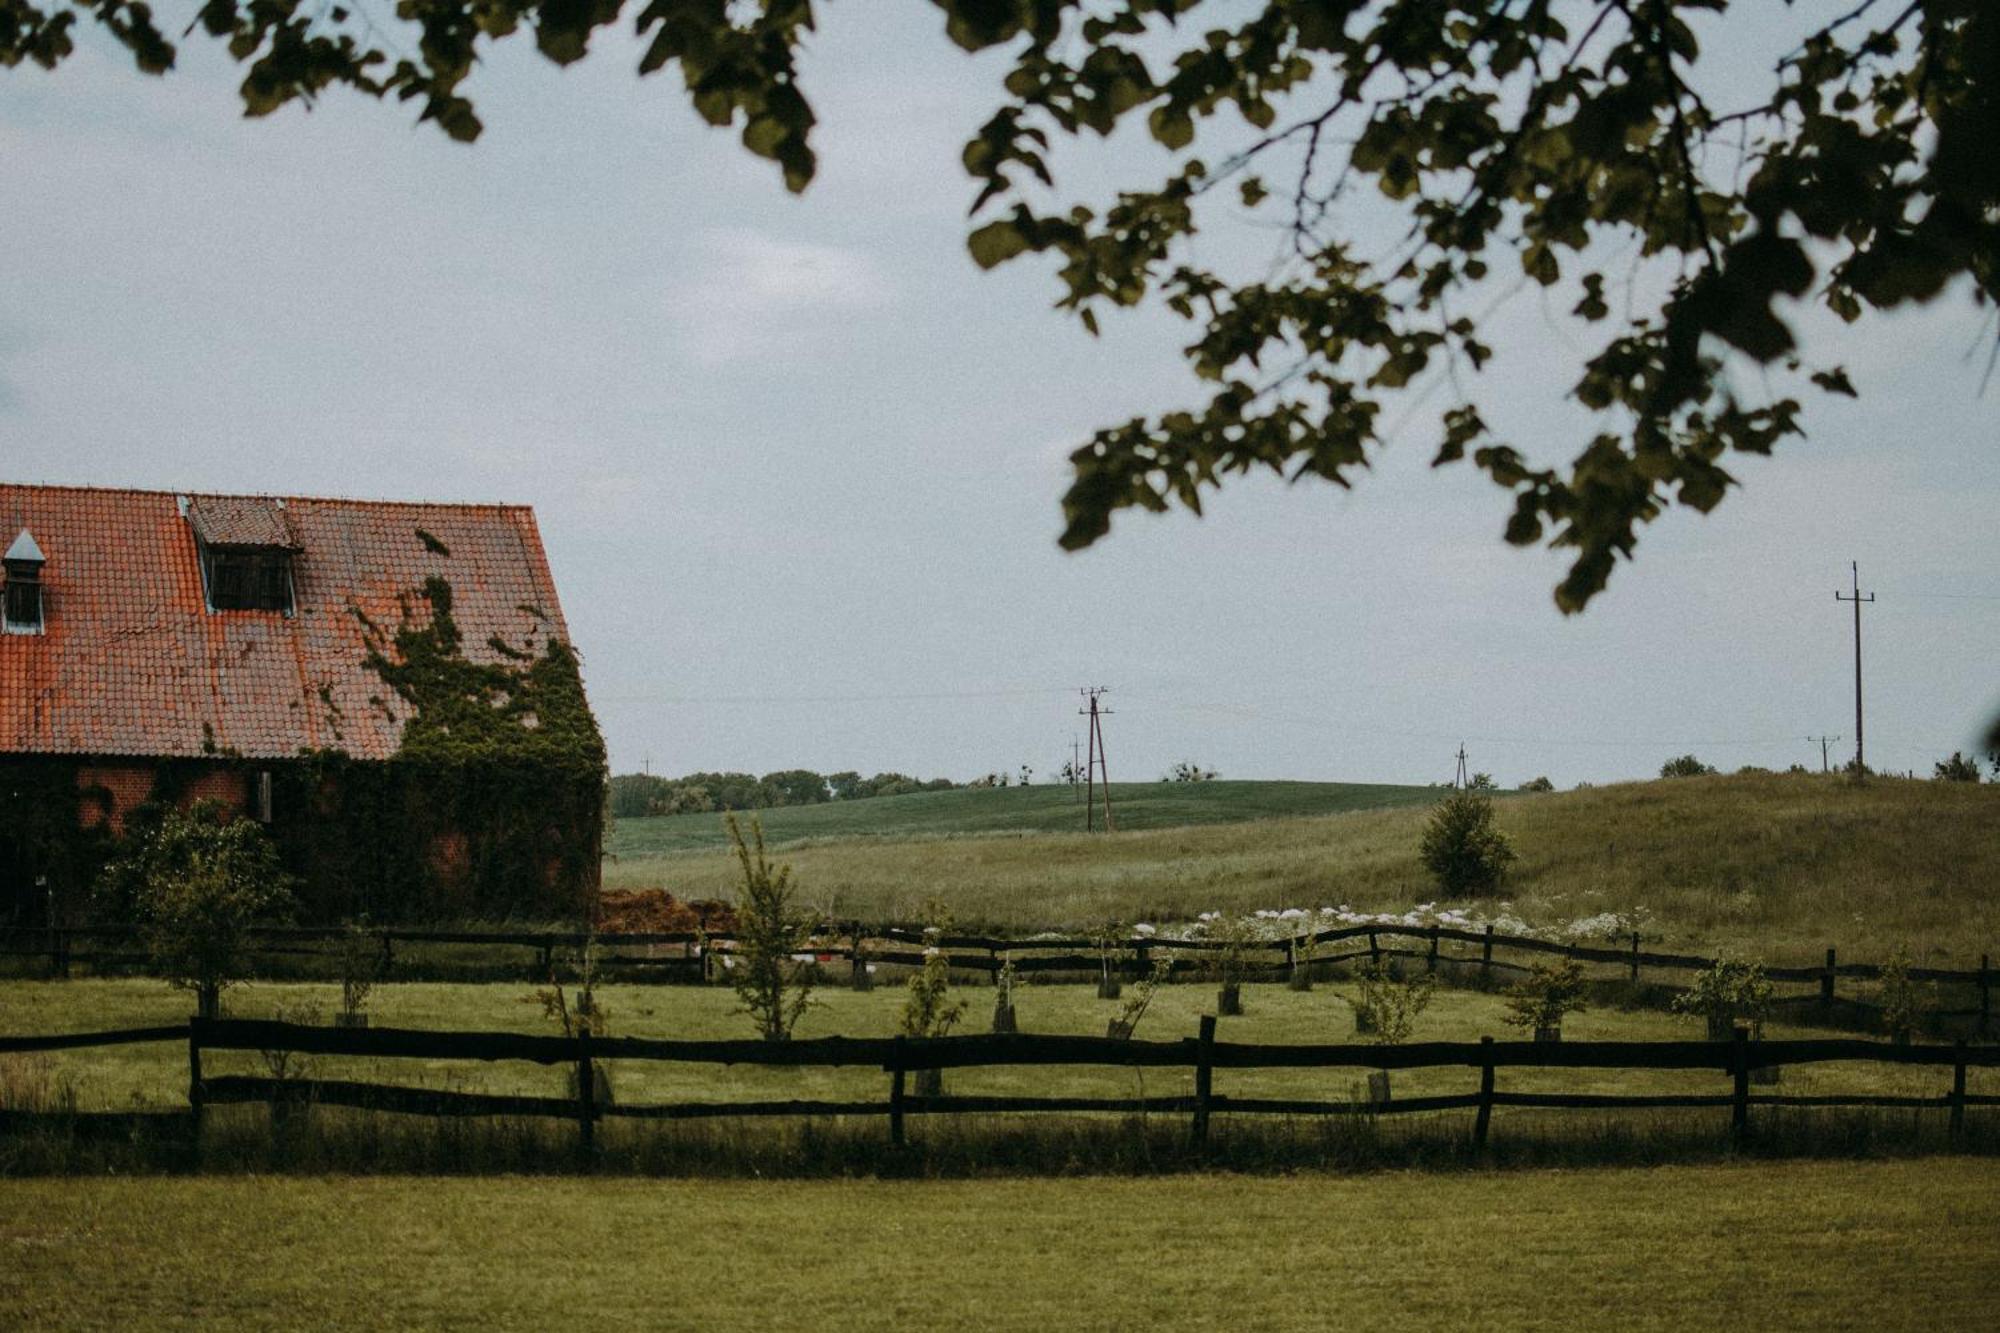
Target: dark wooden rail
(898,1056)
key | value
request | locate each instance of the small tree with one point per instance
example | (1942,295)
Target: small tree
(1482,782)
(771,986)
(1903,1000)
(1386,1006)
(1190,772)
(1134,1009)
(1687,766)
(360,968)
(1733,991)
(1462,849)
(1234,935)
(1538,784)
(1958,768)
(1550,990)
(928,1009)
(197,884)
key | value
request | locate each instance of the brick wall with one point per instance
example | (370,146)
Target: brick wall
(130,784)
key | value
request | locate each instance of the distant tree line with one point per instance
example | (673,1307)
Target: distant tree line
(637,794)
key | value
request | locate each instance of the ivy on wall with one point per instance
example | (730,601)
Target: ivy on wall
(492,806)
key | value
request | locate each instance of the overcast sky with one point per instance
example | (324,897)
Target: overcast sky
(797,461)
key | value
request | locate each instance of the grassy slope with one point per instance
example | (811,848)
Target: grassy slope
(1834,1245)
(1016,810)
(1777,866)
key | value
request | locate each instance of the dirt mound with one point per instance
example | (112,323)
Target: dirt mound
(642,910)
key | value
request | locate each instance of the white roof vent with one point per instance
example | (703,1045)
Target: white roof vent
(24,551)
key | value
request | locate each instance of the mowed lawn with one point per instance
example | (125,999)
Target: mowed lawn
(1860,1245)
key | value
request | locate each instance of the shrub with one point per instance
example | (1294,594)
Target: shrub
(1687,766)
(1462,849)
(1903,1000)
(587,1013)
(1190,772)
(1386,1006)
(1731,992)
(1482,782)
(771,986)
(360,968)
(1538,784)
(928,1009)
(197,884)
(1142,996)
(1546,994)
(1958,768)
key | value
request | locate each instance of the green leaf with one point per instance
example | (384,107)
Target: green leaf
(996,243)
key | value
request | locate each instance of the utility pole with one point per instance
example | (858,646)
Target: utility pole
(1075,760)
(1823,742)
(1857,598)
(1463,780)
(1093,764)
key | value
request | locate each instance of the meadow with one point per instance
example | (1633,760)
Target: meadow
(1776,867)
(1836,1245)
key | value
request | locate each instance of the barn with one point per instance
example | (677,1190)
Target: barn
(389,687)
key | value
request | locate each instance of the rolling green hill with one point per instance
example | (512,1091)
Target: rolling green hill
(1777,866)
(1045,809)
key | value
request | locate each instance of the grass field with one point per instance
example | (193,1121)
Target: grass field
(1842,1245)
(1015,810)
(1777,867)
(156,1075)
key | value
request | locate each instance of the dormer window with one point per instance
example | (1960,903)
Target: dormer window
(246,549)
(247,578)
(22,609)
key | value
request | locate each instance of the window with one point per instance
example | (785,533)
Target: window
(21,606)
(248,578)
(23,612)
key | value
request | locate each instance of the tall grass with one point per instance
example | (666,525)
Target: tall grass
(315,1141)
(1775,866)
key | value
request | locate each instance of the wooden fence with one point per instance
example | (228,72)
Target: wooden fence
(900,1056)
(700,956)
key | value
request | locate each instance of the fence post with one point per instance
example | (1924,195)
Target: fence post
(857,959)
(896,1092)
(1431,963)
(586,1092)
(1204,1080)
(195,1095)
(388,954)
(1958,1087)
(1826,982)
(1485,1118)
(1143,956)
(1739,1113)
(1374,950)
(61,959)
(1985,992)
(1635,957)
(1486,955)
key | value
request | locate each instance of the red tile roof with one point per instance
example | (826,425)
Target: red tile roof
(131,661)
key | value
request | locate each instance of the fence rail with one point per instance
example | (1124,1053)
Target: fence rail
(901,1056)
(859,945)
